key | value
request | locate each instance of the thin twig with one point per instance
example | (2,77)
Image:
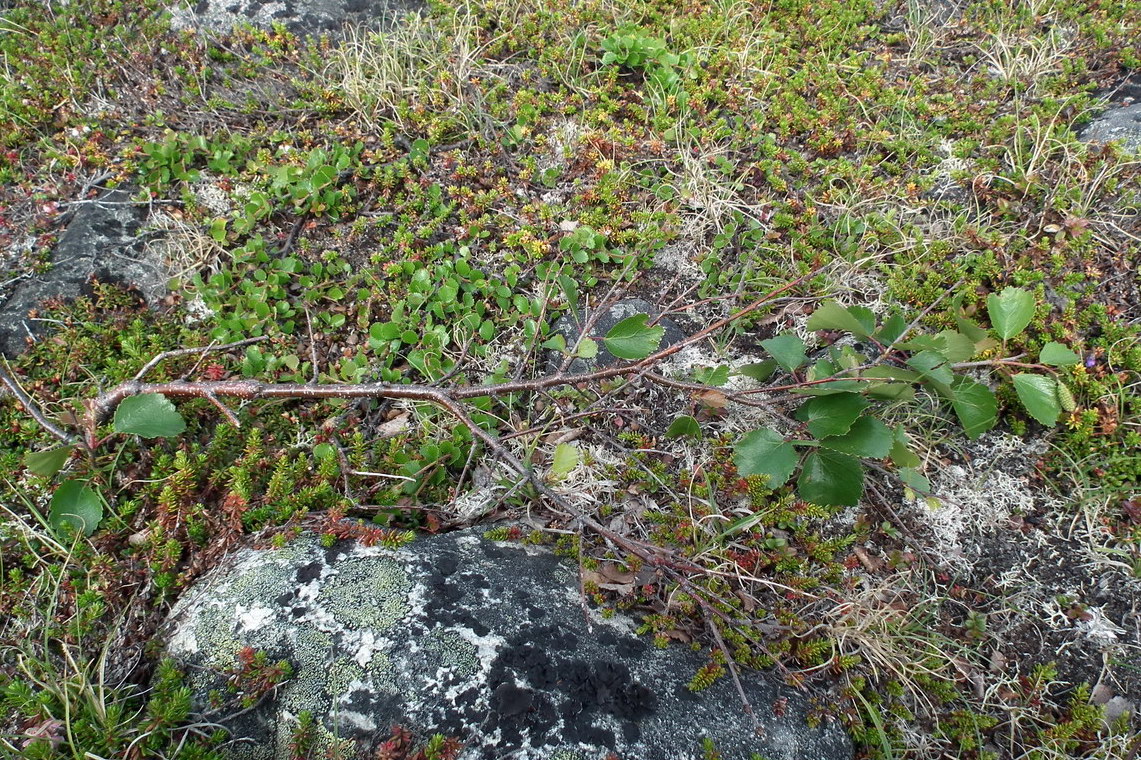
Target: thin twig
(199,350)
(33,410)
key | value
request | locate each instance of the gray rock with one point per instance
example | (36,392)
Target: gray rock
(102,241)
(483,641)
(1118,122)
(298,16)
(570,327)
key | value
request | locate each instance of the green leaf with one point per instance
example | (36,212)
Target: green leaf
(684,425)
(47,463)
(868,437)
(150,415)
(932,366)
(970,328)
(76,507)
(556,342)
(324,451)
(765,452)
(892,373)
(787,349)
(715,376)
(831,415)
(1039,394)
(892,330)
(1010,311)
(587,349)
(901,455)
(890,391)
(955,346)
(632,339)
(566,459)
(831,479)
(975,406)
(760,371)
(915,480)
(1056,355)
(832,316)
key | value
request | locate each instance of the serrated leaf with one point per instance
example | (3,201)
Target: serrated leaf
(868,437)
(566,459)
(1039,394)
(1056,355)
(915,480)
(47,463)
(891,330)
(787,350)
(955,346)
(974,405)
(831,479)
(892,373)
(832,414)
(1010,311)
(932,366)
(765,452)
(832,316)
(556,342)
(890,391)
(901,455)
(684,425)
(715,376)
(150,415)
(760,371)
(970,329)
(632,339)
(75,506)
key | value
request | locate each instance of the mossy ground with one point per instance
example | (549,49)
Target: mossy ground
(382,208)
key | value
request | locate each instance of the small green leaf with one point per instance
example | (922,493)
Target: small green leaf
(556,342)
(975,406)
(632,339)
(915,480)
(1039,394)
(831,415)
(868,437)
(150,415)
(587,349)
(1056,355)
(715,376)
(324,451)
(892,373)
(830,479)
(787,350)
(1010,311)
(684,425)
(901,455)
(76,507)
(765,452)
(970,329)
(760,371)
(566,459)
(832,316)
(47,463)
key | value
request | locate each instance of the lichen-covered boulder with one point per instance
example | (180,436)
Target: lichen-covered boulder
(298,16)
(483,641)
(103,240)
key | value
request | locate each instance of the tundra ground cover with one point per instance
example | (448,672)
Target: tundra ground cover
(423,202)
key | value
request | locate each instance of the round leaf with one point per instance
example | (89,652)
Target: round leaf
(150,415)
(831,479)
(868,437)
(1010,311)
(787,349)
(1056,355)
(74,506)
(632,339)
(831,415)
(765,452)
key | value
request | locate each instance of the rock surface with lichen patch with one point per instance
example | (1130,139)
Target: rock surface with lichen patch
(460,635)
